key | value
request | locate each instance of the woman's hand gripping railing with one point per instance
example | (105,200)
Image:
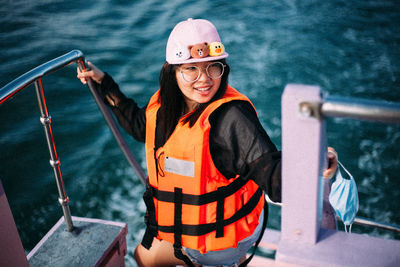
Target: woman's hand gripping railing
(113,126)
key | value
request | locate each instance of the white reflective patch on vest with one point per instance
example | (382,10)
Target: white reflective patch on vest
(178,166)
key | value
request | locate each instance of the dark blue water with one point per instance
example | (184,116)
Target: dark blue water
(349,48)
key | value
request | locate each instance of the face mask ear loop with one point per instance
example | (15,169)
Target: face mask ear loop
(348,173)
(350,228)
(345,228)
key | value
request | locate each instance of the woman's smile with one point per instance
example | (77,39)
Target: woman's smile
(203,90)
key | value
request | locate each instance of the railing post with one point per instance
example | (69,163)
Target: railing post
(45,119)
(303,149)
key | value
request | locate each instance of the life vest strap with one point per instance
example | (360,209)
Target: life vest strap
(198,200)
(150,219)
(178,228)
(202,229)
(220,213)
(178,217)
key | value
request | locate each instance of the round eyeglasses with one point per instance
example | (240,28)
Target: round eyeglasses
(214,70)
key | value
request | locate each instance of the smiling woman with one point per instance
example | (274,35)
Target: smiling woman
(184,129)
(349,48)
(192,89)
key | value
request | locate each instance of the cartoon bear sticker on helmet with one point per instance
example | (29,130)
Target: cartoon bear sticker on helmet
(199,50)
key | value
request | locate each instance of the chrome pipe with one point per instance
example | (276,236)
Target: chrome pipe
(31,76)
(370,223)
(113,126)
(380,111)
(45,119)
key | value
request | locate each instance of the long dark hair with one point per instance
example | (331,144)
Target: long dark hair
(173,102)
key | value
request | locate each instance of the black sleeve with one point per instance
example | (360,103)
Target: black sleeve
(129,115)
(240,145)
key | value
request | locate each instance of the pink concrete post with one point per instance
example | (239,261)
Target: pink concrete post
(11,251)
(303,148)
(304,242)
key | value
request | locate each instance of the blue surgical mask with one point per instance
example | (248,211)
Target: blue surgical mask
(344,197)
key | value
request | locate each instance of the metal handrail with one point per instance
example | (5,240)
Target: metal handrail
(35,76)
(370,223)
(114,129)
(31,76)
(355,108)
(360,109)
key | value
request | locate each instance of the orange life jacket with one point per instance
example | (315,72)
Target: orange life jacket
(193,204)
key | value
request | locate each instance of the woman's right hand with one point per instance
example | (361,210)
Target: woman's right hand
(91,72)
(332,163)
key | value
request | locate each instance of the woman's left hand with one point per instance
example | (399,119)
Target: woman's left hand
(332,163)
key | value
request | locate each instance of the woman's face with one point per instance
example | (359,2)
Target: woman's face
(200,91)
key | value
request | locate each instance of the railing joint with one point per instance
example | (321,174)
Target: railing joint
(55,163)
(310,109)
(45,120)
(63,201)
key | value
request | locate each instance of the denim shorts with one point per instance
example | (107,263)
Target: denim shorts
(229,256)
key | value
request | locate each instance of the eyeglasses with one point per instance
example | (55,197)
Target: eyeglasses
(214,70)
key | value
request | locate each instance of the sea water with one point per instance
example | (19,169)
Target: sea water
(348,48)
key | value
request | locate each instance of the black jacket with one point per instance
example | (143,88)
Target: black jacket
(238,142)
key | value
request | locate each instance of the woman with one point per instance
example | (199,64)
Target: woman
(209,159)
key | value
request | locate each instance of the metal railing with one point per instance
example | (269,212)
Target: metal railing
(306,237)
(360,109)
(35,76)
